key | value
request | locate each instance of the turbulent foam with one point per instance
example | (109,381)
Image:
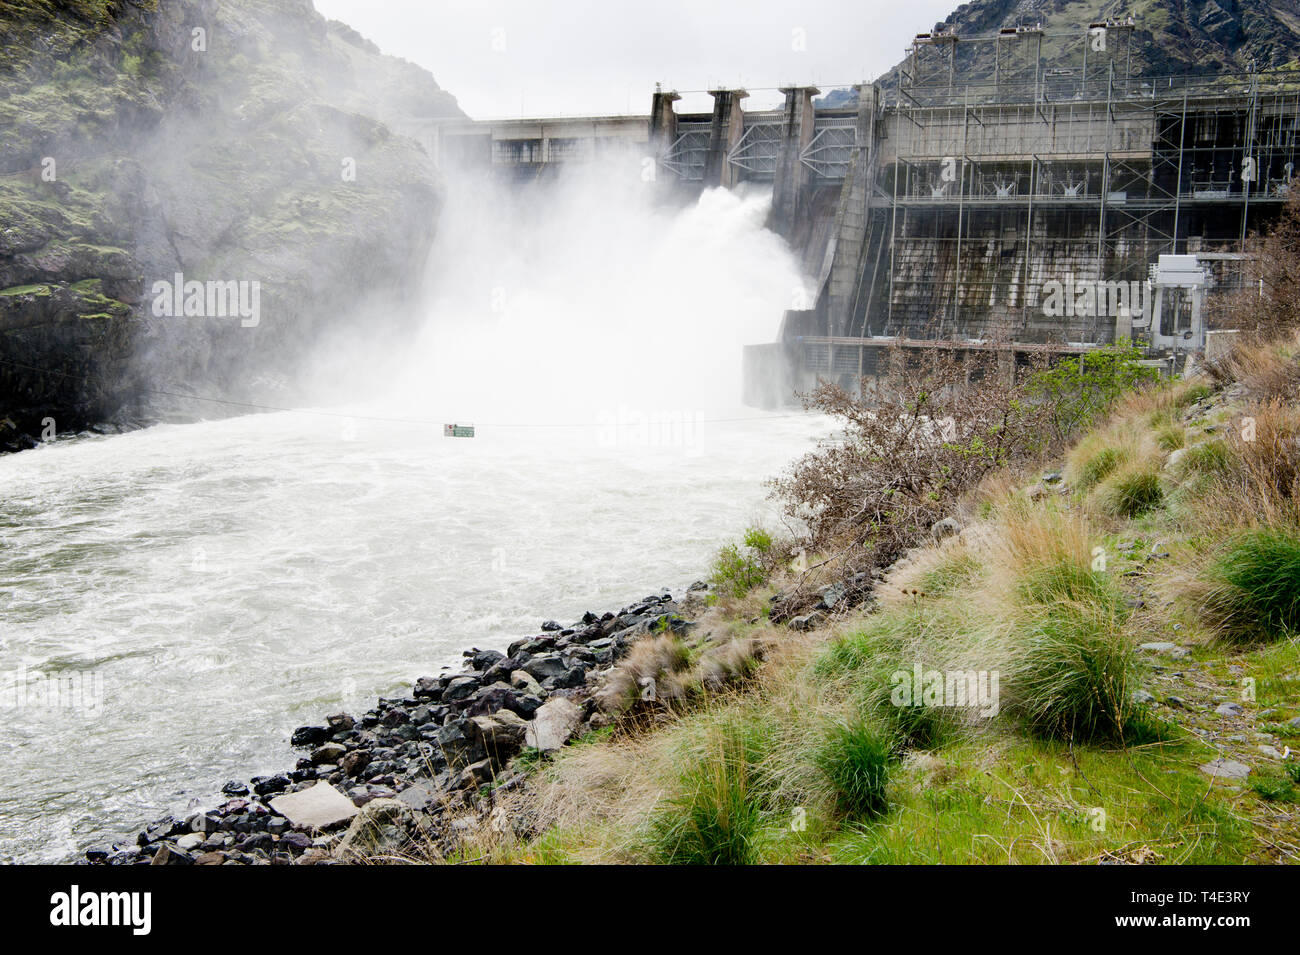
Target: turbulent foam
(233,579)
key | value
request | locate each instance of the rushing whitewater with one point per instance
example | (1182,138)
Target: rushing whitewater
(223,582)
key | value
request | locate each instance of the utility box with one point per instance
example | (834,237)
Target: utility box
(1178,284)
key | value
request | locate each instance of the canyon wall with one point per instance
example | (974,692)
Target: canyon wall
(220,141)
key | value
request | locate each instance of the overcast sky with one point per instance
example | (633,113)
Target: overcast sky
(556,57)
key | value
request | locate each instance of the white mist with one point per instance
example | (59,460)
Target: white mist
(567,300)
(233,579)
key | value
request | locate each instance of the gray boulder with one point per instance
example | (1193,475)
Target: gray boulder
(381,826)
(501,733)
(544,666)
(554,724)
(1226,769)
(318,807)
(948,527)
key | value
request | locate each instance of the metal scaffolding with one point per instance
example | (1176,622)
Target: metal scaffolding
(985,189)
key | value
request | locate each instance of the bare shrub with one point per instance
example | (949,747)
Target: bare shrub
(661,660)
(1269,298)
(1255,478)
(666,673)
(909,447)
(932,429)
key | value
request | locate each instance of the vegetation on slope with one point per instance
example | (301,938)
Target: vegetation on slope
(1143,654)
(1168,38)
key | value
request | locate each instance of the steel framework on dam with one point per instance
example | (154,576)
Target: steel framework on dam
(980,178)
(1145,165)
(756,154)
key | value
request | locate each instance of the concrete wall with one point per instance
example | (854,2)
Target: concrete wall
(534,142)
(1019,131)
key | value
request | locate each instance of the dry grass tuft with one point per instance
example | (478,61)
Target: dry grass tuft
(654,668)
(1266,367)
(1249,475)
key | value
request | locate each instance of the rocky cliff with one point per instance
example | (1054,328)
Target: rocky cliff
(247,148)
(1170,37)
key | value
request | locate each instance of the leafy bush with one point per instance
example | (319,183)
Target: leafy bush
(855,759)
(1131,492)
(758,540)
(1080,389)
(1256,587)
(736,572)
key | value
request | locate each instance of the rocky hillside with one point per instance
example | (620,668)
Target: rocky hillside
(1170,37)
(233,141)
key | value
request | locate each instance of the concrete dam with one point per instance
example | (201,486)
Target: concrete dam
(1027,210)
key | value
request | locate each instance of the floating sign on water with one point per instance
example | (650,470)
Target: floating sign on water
(458,431)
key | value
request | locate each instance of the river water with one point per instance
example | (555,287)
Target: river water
(202,589)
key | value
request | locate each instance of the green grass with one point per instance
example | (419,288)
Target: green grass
(1076,675)
(716,813)
(912,725)
(1274,667)
(922,727)
(1171,437)
(870,657)
(1256,587)
(1192,394)
(42,290)
(1040,802)
(855,759)
(1276,789)
(953,572)
(1210,457)
(1131,492)
(1095,468)
(874,646)
(847,654)
(1063,580)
